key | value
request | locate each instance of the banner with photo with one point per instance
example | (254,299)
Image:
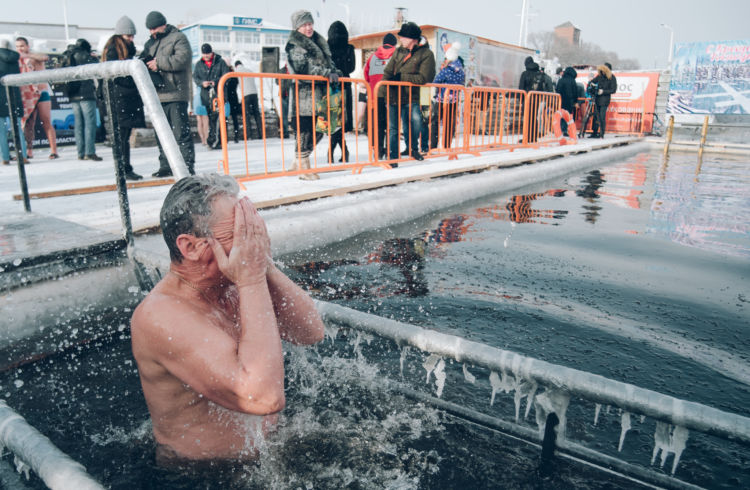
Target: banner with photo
(710,78)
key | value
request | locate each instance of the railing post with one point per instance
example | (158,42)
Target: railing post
(549,443)
(525,124)
(704,133)
(113,126)
(668,138)
(15,133)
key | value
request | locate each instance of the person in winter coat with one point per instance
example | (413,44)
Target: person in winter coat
(9,66)
(208,70)
(374,69)
(607,85)
(342,54)
(444,113)
(308,54)
(127,106)
(413,62)
(250,96)
(37,101)
(168,55)
(235,106)
(82,97)
(568,91)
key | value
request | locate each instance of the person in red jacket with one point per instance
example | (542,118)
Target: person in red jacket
(374,68)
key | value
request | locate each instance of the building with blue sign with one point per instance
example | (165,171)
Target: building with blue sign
(237,37)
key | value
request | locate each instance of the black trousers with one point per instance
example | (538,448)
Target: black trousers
(177,117)
(125,148)
(252,111)
(600,119)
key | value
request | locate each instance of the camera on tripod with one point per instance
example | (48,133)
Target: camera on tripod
(592,88)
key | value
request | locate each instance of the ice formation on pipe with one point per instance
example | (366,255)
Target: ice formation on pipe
(625,427)
(468,376)
(550,401)
(22,467)
(596,413)
(523,388)
(435,364)
(505,384)
(669,439)
(404,351)
(331,332)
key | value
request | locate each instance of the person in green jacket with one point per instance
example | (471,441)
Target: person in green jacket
(412,62)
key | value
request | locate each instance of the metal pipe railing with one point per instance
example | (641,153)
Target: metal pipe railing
(54,467)
(113,69)
(586,385)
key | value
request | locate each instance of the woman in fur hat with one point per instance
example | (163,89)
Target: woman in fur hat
(127,105)
(307,54)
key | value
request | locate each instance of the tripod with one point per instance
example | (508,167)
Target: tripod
(588,114)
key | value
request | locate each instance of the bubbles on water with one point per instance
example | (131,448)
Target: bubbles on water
(18,383)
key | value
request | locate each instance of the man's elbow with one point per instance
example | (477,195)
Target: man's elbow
(269,402)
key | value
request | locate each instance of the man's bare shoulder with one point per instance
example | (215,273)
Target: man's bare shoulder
(158,315)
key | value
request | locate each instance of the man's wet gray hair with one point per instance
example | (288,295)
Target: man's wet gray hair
(188,207)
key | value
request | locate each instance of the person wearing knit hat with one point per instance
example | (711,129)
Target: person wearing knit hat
(300,18)
(168,56)
(413,62)
(373,71)
(308,53)
(155,19)
(444,113)
(125,26)
(127,106)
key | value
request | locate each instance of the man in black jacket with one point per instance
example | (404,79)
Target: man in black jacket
(607,85)
(208,70)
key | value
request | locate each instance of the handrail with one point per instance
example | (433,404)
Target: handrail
(593,387)
(112,69)
(54,467)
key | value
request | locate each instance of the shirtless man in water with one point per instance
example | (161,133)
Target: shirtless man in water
(207,338)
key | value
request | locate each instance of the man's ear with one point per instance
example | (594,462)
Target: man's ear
(190,246)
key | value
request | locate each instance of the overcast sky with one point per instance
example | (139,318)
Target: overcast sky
(628,27)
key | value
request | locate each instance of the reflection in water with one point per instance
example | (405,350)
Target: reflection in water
(703,212)
(407,255)
(594,180)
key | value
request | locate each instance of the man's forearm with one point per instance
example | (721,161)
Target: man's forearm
(298,319)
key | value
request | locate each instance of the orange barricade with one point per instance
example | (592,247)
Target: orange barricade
(279,157)
(455,120)
(496,118)
(538,115)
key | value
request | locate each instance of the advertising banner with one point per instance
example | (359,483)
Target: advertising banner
(634,100)
(710,78)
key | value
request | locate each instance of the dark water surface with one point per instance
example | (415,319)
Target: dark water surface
(637,271)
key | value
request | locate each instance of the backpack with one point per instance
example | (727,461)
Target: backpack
(70,89)
(537,82)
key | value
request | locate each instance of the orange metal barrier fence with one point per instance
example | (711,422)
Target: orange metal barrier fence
(327,108)
(454,119)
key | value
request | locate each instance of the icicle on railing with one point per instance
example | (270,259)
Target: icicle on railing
(669,439)
(592,387)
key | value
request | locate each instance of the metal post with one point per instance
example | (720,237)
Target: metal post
(704,133)
(668,138)
(113,126)
(17,134)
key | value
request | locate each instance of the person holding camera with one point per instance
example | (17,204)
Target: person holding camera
(206,75)
(168,56)
(601,87)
